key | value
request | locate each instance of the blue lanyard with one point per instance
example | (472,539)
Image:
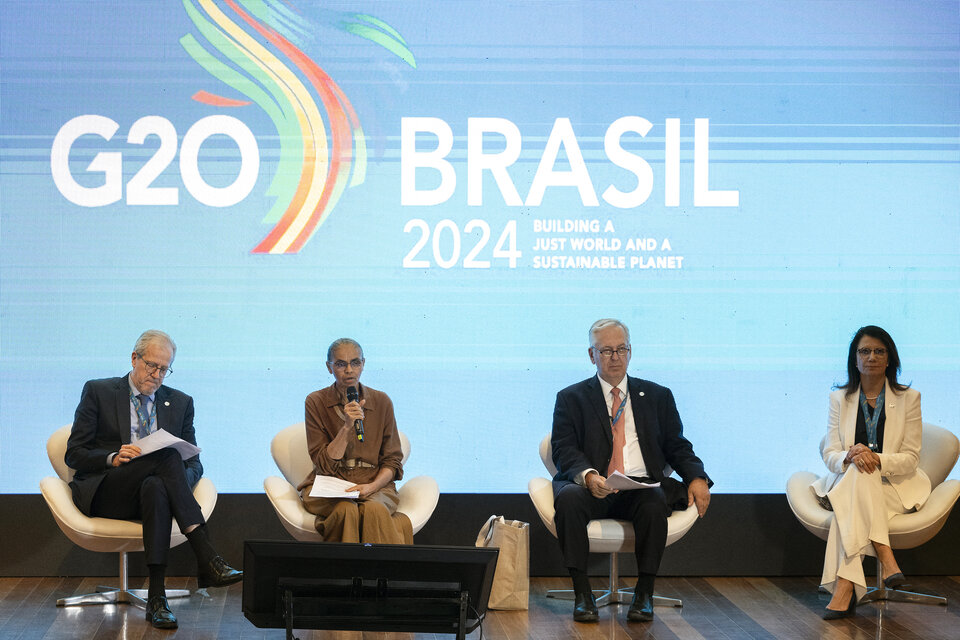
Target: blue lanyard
(871,420)
(623,405)
(145,420)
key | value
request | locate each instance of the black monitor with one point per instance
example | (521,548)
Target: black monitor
(325,585)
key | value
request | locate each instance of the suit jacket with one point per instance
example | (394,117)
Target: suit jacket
(583,437)
(902,433)
(102,423)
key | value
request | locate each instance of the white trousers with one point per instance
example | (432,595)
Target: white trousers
(863,504)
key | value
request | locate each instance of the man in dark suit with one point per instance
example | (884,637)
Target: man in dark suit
(113,480)
(613,422)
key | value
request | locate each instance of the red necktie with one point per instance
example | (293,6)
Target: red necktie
(619,439)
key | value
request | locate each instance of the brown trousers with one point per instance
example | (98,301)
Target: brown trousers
(373,519)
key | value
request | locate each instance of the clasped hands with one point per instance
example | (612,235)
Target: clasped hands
(127,453)
(697,492)
(865,460)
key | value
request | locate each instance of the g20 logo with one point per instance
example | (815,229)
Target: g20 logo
(140,189)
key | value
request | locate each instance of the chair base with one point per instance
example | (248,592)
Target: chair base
(118,595)
(112,595)
(875,594)
(613,594)
(620,596)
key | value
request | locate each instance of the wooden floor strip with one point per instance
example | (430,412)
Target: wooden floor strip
(713,609)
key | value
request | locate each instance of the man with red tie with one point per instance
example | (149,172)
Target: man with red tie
(614,422)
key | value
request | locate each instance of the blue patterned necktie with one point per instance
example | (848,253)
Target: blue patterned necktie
(143,417)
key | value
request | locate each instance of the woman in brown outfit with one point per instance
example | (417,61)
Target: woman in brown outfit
(372,465)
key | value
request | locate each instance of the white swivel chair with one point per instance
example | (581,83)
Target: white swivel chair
(104,534)
(938,454)
(418,496)
(606,535)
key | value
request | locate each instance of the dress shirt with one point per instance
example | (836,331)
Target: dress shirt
(633,463)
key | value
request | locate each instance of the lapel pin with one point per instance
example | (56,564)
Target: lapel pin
(166,403)
(641,394)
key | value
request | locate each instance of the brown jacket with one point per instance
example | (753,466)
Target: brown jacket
(381,441)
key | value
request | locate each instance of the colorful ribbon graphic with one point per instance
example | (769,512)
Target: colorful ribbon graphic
(313,169)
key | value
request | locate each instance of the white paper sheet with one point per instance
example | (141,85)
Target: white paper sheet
(330,487)
(161,439)
(619,481)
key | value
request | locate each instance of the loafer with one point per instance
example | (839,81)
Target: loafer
(217,573)
(159,615)
(585,608)
(641,608)
(836,614)
(894,581)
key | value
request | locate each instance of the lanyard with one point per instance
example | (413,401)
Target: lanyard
(623,405)
(871,420)
(145,420)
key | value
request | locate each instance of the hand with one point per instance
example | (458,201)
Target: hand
(364,489)
(867,461)
(127,453)
(855,450)
(597,485)
(699,492)
(353,411)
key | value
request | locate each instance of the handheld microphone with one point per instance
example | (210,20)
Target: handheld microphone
(353,396)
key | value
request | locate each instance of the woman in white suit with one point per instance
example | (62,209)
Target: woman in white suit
(871,450)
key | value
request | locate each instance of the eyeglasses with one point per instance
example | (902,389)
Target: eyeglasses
(864,352)
(607,352)
(340,365)
(153,367)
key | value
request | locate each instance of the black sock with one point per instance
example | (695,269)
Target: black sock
(645,583)
(158,574)
(581,581)
(200,543)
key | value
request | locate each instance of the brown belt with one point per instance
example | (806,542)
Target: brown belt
(353,463)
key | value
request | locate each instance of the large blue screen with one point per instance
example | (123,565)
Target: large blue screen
(464,187)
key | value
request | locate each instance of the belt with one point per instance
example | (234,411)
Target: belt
(353,463)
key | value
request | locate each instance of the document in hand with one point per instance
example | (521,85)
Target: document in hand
(161,439)
(330,487)
(619,481)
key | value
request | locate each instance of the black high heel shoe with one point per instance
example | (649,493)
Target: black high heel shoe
(894,581)
(834,614)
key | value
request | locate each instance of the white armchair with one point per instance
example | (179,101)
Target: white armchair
(938,454)
(418,496)
(606,535)
(104,534)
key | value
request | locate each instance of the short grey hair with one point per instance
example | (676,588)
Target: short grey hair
(152,336)
(342,342)
(603,323)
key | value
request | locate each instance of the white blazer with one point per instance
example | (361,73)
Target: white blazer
(902,434)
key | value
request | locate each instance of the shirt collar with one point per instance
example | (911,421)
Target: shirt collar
(606,387)
(133,388)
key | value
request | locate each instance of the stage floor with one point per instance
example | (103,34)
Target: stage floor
(722,608)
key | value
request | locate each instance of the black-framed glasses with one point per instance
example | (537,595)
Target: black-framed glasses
(865,352)
(153,367)
(607,352)
(340,365)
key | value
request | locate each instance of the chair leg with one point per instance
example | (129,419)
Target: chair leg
(882,593)
(118,595)
(613,594)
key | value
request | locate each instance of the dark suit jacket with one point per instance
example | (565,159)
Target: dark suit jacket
(582,436)
(102,423)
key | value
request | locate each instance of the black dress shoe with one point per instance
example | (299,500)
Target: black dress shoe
(894,581)
(641,609)
(217,573)
(836,614)
(585,608)
(159,615)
